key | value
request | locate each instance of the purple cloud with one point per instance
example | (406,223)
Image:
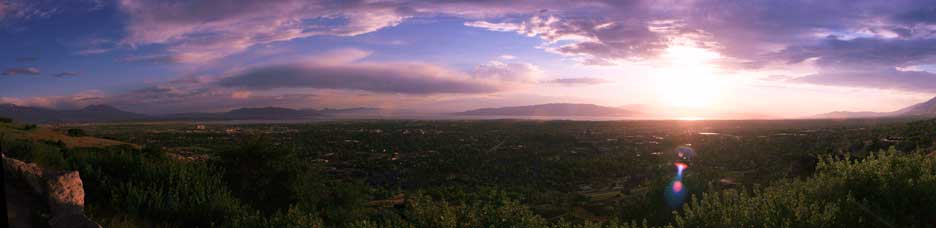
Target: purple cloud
(864,52)
(599,40)
(215,29)
(66,74)
(578,81)
(21,70)
(508,72)
(405,78)
(891,79)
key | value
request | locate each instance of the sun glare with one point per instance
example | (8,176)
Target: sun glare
(689,79)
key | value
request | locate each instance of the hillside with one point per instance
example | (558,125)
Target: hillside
(555,109)
(93,113)
(31,132)
(265,113)
(924,109)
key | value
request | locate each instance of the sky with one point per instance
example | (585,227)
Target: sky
(752,58)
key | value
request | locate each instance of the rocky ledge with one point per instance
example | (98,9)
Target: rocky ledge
(62,191)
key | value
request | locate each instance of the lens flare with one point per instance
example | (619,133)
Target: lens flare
(677,186)
(675,194)
(685,152)
(680,167)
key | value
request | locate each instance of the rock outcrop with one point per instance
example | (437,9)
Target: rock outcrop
(61,190)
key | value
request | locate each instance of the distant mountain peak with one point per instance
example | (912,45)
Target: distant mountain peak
(91,113)
(924,109)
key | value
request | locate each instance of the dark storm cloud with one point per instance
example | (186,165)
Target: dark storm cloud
(384,78)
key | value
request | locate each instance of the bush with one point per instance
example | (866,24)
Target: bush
(261,173)
(157,189)
(5,120)
(885,189)
(76,132)
(48,156)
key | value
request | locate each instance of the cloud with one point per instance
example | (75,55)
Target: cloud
(25,10)
(73,101)
(219,28)
(599,40)
(337,78)
(214,29)
(342,69)
(777,78)
(21,70)
(169,58)
(406,78)
(508,72)
(864,52)
(890,79)
(578,81)
(66,74)
(94,51)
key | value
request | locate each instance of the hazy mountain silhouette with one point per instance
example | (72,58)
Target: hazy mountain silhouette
(106,113)
(349,111)
(93,113)
(925,109)
(554,109)
(265,113)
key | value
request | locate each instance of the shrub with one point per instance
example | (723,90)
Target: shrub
(158,189)
(29,127)
(5,120)
(885,189)
(261,174)
(76,132)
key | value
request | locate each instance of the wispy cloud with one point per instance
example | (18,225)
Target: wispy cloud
(21,71)
(890,79)
(578,81)
(66,74)
(327,73)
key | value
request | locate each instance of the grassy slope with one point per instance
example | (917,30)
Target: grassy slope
(40,133)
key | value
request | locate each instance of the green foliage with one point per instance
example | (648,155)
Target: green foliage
(29,127)
(50,156)
(185,194)
(504,174)
(5,120)
(76,132)
(261,173)
(884,189)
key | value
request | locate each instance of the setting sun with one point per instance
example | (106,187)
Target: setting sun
(688,79)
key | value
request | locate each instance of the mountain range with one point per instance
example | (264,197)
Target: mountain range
(554,109)
(93,113)
(106,113)
(925,109)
